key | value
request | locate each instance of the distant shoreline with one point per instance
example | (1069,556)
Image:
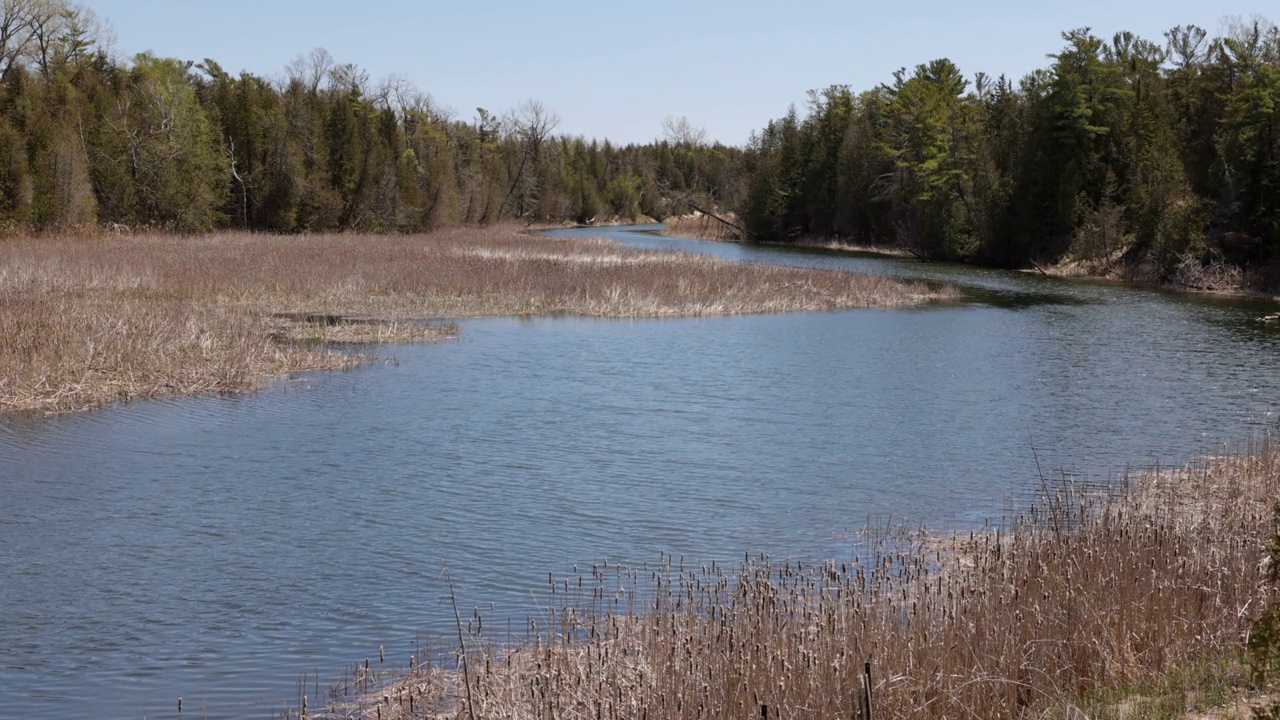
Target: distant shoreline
(1222,280)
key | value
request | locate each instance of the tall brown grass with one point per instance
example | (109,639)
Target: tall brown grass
(700,226)
(1090,606)
(91,320)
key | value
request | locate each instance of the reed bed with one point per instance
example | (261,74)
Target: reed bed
(92,320)
(1093,605)
(70,352)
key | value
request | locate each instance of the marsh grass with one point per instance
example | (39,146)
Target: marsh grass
(1118,605)
(86,321)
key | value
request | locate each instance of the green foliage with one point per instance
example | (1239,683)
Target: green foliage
(167,143)
(1123,149)
(771,208)
(171,149)
(1120,149)
(623,195)
(930,144)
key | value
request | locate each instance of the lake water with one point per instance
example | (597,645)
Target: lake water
(219,548)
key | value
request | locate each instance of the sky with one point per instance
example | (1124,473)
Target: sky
(615,69)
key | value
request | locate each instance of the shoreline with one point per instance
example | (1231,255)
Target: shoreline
(699,227)
(1071,609)
(114,318)
(1071,270)
(802,244)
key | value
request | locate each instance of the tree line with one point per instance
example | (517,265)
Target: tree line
(168,143)
(1121,150)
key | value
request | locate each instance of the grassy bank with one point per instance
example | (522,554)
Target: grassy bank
(703,227)
(1217,278)
(699,226)
(1099,606)
(87,321)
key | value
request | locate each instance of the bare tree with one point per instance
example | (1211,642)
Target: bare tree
(692,202)
(47,33)
(310,69)
(244,188)
(43,32)
(397,92)
(349,77)
(679,131)
(15,31)
(46,28)
(531,123)
(61,32)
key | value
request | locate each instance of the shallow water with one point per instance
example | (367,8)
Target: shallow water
(217,549)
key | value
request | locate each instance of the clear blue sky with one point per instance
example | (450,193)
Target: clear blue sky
(616,69)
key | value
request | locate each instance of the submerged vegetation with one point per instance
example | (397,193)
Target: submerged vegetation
(1098,605)
(88,321)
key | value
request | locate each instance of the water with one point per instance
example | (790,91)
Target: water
(217,549)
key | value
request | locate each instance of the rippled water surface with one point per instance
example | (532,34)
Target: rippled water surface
(217,549)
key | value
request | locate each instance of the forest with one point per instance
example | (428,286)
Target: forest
(150,142)
(1122,151)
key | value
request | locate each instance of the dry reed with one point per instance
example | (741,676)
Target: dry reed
(1093,605)
(700,226)
(704,227)
(89,321)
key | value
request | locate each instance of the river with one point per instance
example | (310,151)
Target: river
(217,549)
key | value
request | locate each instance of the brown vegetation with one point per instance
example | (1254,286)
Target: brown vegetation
(89,321)
(1094,605)
(699,226)
(1188,275)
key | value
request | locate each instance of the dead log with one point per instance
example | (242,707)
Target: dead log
(686,199)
